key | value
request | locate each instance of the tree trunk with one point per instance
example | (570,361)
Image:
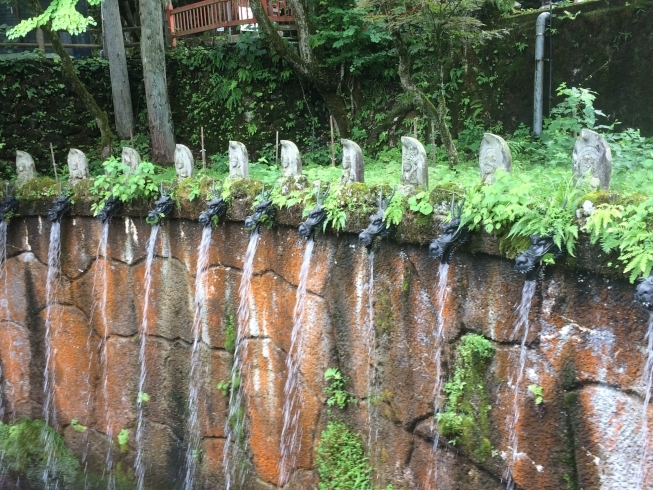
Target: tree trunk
(100,116)
(438,113)
(305,63)
(162,138)
(114,44)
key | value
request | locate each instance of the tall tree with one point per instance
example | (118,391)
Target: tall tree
(162,138)
(429,36)
(61,15)
(114,44)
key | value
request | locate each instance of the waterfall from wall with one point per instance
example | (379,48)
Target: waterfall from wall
(196,365)
(291,433)
(369,337)
(443,273)
(49,411)
(522,326)
(143,332)
(647,381)
(235,446)
(4,303)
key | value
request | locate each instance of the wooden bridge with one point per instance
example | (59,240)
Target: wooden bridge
(210,15)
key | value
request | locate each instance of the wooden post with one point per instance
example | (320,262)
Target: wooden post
(415,127)
(203,150)
(276,151)
(40,39)
(333,154)
(54,164)
(131,137)
(433,141)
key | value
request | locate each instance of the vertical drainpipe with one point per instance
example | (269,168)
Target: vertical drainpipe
(539,73)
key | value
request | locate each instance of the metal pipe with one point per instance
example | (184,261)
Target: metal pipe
(539,73)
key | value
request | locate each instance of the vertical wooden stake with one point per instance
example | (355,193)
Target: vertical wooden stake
(415,127)
(131,137)
(54,164)
(276,151)
(333,153)
(433,141)
(203,150)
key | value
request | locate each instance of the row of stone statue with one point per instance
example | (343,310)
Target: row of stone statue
(592,161)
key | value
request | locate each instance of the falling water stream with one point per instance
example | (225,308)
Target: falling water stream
(196,367)
(647,381)
(234,453)
(5,314)
(143,332)
(49,412)
(521,326)
(443,274)
(369,337)
(291,432)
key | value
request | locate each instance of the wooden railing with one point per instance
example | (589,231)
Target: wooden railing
(215,14)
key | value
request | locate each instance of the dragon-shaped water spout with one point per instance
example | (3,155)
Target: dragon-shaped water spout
(112,206)
(530,261)
(264,211)
(216,208)
(644,292)
(377,227)
(453,234)
(163,207)
(8,206)
(60,206)
(316,216)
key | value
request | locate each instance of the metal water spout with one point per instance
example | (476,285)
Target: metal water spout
(263,212)
(530,261)
(163,207)
(453,234)
(540,26)
(112,206)
(377,227)
(60,206)
(644,292)
(9,205)
(316,216)
(216,208)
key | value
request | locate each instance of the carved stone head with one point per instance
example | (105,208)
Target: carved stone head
(494,154)
(414,170)
(25,168)
(291,162)
(184,162)
(644,292)
(529,262)
(315,218)
(377,226)
(77,166)
(60,206)
(112,206)
(352,162)
(130,157)
(238,160)
(263,211)
(452,235)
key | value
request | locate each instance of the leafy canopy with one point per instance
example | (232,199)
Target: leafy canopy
(62,16)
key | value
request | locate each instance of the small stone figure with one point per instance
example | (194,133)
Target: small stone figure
(644,293)
(414,169)
(163,207)
(592,160)
(184,162)
(452,234)
(77,166)
(377,226)
(25,168)
(530,261)
(60,206)
(215,208)
(494,154)
(263,212)
(316,216)
(238,161)
(352,163)
(291,162)
(131,158)
(112,206)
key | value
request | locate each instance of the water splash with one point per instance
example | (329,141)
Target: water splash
(49,411)
(139,466)
(647,381)
(438,338)
(236,444)
(291,434)
(522,325)
(196,365)
(369,338)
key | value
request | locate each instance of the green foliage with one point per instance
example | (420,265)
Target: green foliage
(123,437)
(340,460)
(119,181)
(465,419)
(61,14)
(335,389)
(225,386)
(77,427)
(538,391)
(22,445)
(230,335)
(420,203)
(142,397)
(627,230)
(395,211)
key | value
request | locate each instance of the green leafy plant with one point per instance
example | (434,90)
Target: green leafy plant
(335,389)
(537,390)
(340,460)
(119,181)
(77,427)
(142,397)
(420,203)
(226,385)
(395,211)
(123,437)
